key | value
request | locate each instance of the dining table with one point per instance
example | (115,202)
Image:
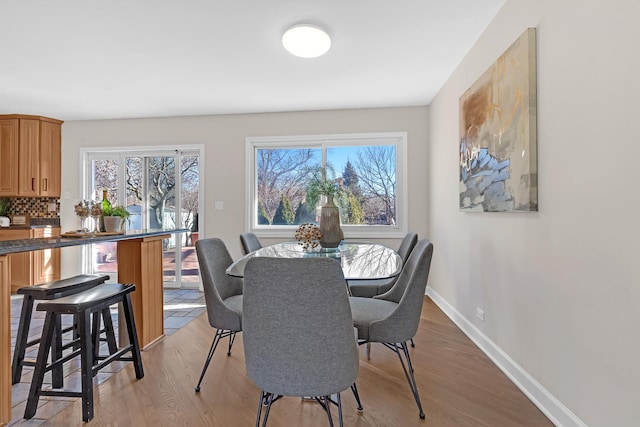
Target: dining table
(139,262)
(359,260)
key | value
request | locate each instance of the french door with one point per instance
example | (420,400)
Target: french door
(161,190)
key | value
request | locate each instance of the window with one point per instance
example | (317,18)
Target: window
(370,169)
(159,189)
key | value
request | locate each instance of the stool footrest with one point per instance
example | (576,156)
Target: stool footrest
(65,393)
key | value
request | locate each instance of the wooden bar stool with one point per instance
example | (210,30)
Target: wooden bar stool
(46,291)
(83,305)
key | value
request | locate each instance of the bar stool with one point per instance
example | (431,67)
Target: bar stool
(46,291)
(84,305)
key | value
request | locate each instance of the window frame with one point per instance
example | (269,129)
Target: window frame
(398,139)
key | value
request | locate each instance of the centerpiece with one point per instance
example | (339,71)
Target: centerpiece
(319,185)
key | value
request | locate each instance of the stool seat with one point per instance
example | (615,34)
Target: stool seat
(46,291)
(95,298)
(64,287)
(84,306)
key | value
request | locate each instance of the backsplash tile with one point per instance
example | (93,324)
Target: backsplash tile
(35,207)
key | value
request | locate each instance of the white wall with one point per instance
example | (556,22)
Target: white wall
(561,287)
(224,163)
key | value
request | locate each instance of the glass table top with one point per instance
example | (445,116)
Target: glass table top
(359,260)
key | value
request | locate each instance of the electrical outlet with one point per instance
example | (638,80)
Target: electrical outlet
(52,207)
(218,206)
(480,313)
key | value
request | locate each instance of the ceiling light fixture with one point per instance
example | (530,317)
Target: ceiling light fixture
(306,41)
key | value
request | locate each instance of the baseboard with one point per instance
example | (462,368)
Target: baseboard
(553,409)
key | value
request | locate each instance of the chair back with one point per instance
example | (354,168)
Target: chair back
(250,242)
(298,331)
(214,259)
(408,294)
(406,246)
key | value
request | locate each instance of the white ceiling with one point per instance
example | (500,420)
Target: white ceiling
(92,59)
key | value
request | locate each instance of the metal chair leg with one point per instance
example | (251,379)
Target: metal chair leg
(212,349)
(232,338)
(354,389)
(266,399)
(327,408)
(409,375)
(339,409)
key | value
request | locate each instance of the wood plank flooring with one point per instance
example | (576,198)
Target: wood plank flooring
(459,386)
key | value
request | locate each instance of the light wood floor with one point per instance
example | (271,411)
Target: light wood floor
(458,384)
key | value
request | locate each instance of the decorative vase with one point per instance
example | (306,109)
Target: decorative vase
(332,234)
(113,224)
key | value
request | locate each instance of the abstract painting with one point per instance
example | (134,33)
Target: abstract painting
(498,139)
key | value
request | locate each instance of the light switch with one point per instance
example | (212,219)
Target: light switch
(218,206)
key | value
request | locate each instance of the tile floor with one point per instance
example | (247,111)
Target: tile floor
(180,307)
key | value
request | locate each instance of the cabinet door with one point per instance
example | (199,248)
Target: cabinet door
(46,262)
(50,158)
(29,158)
(20,263)
(9,157)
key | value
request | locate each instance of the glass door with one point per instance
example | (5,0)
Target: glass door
(160,190)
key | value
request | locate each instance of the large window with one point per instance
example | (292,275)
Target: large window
(368,168)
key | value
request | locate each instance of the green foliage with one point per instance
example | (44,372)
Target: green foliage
(116,211)
(321,182)
(305,213)
(350,175)
(284,214)
(5,205)
(263,216)
(352,211)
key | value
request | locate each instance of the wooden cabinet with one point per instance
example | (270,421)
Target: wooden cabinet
(32,268)
(50,159)
(30,156)
(9,157)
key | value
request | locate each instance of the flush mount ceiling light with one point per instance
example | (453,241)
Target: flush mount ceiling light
(306,41)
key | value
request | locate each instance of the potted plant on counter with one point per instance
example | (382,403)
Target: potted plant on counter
(114,217)
(5,207)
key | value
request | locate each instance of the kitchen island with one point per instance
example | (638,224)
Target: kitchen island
(139,262)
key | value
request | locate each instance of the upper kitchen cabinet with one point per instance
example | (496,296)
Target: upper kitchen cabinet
(9,157)
(30,156)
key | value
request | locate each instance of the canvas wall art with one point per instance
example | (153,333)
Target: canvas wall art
(498,140)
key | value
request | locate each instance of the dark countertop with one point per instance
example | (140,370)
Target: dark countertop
(27,227)
(28,245)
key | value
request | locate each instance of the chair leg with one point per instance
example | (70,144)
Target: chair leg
(232,338)
(354,389)
(339,409)
(408,373)
(212,349)
(266,399)
(327,408)
(412,343)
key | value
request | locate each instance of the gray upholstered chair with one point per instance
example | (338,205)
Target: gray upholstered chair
(370,288)
(393,317)
(298,331)
(250,242)
(222,293)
